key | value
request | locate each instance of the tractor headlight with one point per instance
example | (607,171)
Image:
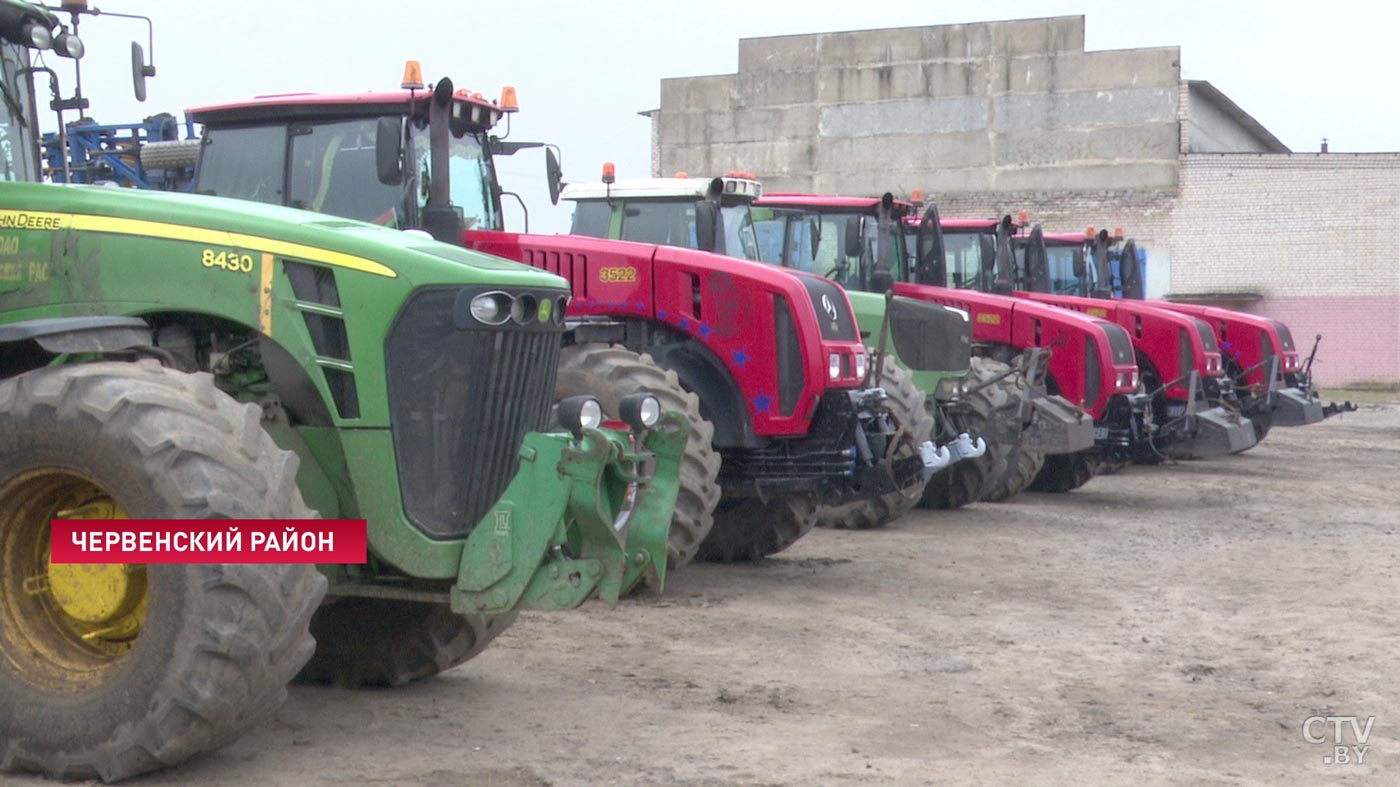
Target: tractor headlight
(833,366)
(578,413)
(950,388)
(69,45)
(524,309)
(37,36)
(861,365)
(640,410)
(491,308)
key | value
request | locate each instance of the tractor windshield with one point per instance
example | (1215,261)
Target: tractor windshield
(837,235)
(472,176)
(18,148)
(1060,261)
(329,167)
(964,255)
(672,223)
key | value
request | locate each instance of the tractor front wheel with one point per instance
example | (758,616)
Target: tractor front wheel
(610,373)
(906,402)
(750,529)
(379,642)
(109,671)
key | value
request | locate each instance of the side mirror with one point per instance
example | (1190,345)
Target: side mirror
(706,222)
(388,151)
(814,234)
(139,71)
(855,242)
(554,174)
(1080,268)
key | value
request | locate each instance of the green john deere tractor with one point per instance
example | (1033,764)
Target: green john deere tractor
(174,357)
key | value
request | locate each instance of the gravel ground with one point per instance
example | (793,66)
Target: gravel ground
(1173,625)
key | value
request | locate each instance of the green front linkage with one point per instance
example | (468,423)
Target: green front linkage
(551,545)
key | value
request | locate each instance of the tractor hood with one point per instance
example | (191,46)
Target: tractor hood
(227,223)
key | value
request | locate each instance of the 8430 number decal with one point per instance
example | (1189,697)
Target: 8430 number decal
(232,261)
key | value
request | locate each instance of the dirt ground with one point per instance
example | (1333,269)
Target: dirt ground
(1165,626)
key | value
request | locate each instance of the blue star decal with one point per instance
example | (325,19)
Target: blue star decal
(740,357)
(641,306)
(762,403)
(612,304)
(705,329)
(1227,345)
(660,314)
(685,323)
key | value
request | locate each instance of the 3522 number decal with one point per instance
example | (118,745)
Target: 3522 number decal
(231,261)
(617,274)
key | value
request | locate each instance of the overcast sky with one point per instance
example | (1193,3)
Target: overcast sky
(584,70)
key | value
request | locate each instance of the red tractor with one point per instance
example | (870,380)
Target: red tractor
(1194,408)
(1272,382)
(767,365)
(1087,363)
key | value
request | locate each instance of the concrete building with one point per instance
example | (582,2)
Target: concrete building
(996,117)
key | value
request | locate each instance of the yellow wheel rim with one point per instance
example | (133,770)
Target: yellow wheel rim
(64,627)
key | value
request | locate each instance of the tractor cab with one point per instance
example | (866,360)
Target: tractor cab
(364,156)
(693,213)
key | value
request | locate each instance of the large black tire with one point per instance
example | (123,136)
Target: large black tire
(609,373)
(749,529)
(379,642)
(992,414)
(217,644)
(906,402)
(1019,464)
(1065,472)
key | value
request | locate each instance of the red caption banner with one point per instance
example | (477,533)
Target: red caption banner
(208,541)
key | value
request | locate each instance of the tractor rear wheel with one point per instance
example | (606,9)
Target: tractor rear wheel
(609,373)
(906,402)
(1021,462)
(109,671)
(750,529)
(379,642)
(992,413)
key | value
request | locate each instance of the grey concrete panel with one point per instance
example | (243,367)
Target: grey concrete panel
(904,152)
(756,124)
(1097,177)
(766,159)
(776,88)
(907,116)
(1084,108)
(1035,36)
(712,92)
(1139,68)
(1102,143)
(870,83)
(778,53)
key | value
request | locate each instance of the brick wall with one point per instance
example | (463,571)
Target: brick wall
(1315,236)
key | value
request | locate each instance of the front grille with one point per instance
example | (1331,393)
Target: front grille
(834,316)
(929,337)
(460,401)
(1207,335)
(1118,342)
(791,375)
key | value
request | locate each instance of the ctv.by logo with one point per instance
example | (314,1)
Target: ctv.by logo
(1315,731)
